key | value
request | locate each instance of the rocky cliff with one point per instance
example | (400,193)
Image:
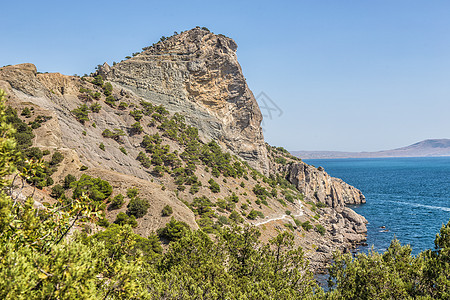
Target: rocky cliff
(196,73)
(316,184)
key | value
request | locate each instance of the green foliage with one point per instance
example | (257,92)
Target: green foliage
(136,114)
(102,146)
(81,113)
(137,207)
(201,205)
(98,80)
(226,204)
(111,101)
(320,229)
(254,214)
(122,105)
(117,202)
(38,261)
(123,150)
(174,230)
(57,158)
(95,107)
(38,121)
(124,219)
(213,186)
(57,191)
(115,134)
(136,128)
(22,133)
(167,211)
(235,217)
(144,160)
(107,89)
(290,226)
(95,188)
(261,192)
(306,226)
(280,160)
(34,153)
(26,112)
(132,192)
(68,181)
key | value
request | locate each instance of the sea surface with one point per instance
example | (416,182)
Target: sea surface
(409,196)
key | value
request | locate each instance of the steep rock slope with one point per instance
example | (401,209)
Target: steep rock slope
(196,73)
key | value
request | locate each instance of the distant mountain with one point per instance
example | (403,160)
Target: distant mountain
(431,147)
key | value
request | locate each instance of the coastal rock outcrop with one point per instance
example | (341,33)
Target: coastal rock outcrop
(196,73)
(316,184)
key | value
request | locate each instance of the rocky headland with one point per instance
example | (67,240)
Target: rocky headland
(194,74)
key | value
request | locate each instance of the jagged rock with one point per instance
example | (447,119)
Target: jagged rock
(317,185)
(196,73)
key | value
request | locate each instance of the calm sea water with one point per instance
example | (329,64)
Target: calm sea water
(410,196)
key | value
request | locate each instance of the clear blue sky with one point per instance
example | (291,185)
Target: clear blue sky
(348,75)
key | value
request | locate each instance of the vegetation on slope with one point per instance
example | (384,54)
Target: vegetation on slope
(118,264)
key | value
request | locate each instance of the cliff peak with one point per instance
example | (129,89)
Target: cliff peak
(197,73)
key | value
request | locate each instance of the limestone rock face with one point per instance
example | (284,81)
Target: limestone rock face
(318,185)
(196,73)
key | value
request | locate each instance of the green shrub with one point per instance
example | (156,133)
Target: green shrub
(214,186)
(34,153)
(137,207)
(111,101)
(289,225)
(57,191)
(320,229)
(96,188)
(254,214)
(136,128)
(174,230)
(235,217)
(123,150)
(68,180)
(107,89)
(95,107)
(117,202)
(102,146)
(280,160)
(81,113)
(124,219)
(98,80)
(103,222)
(57,158)
(26,112)
(167,211)
(136,114)
(132,192)
(307,226)
(122,105)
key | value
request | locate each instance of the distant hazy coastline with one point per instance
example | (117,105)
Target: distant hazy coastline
(426,148)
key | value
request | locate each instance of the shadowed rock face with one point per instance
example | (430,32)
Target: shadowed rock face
(196,73)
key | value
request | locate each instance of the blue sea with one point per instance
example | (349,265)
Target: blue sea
(409,196)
